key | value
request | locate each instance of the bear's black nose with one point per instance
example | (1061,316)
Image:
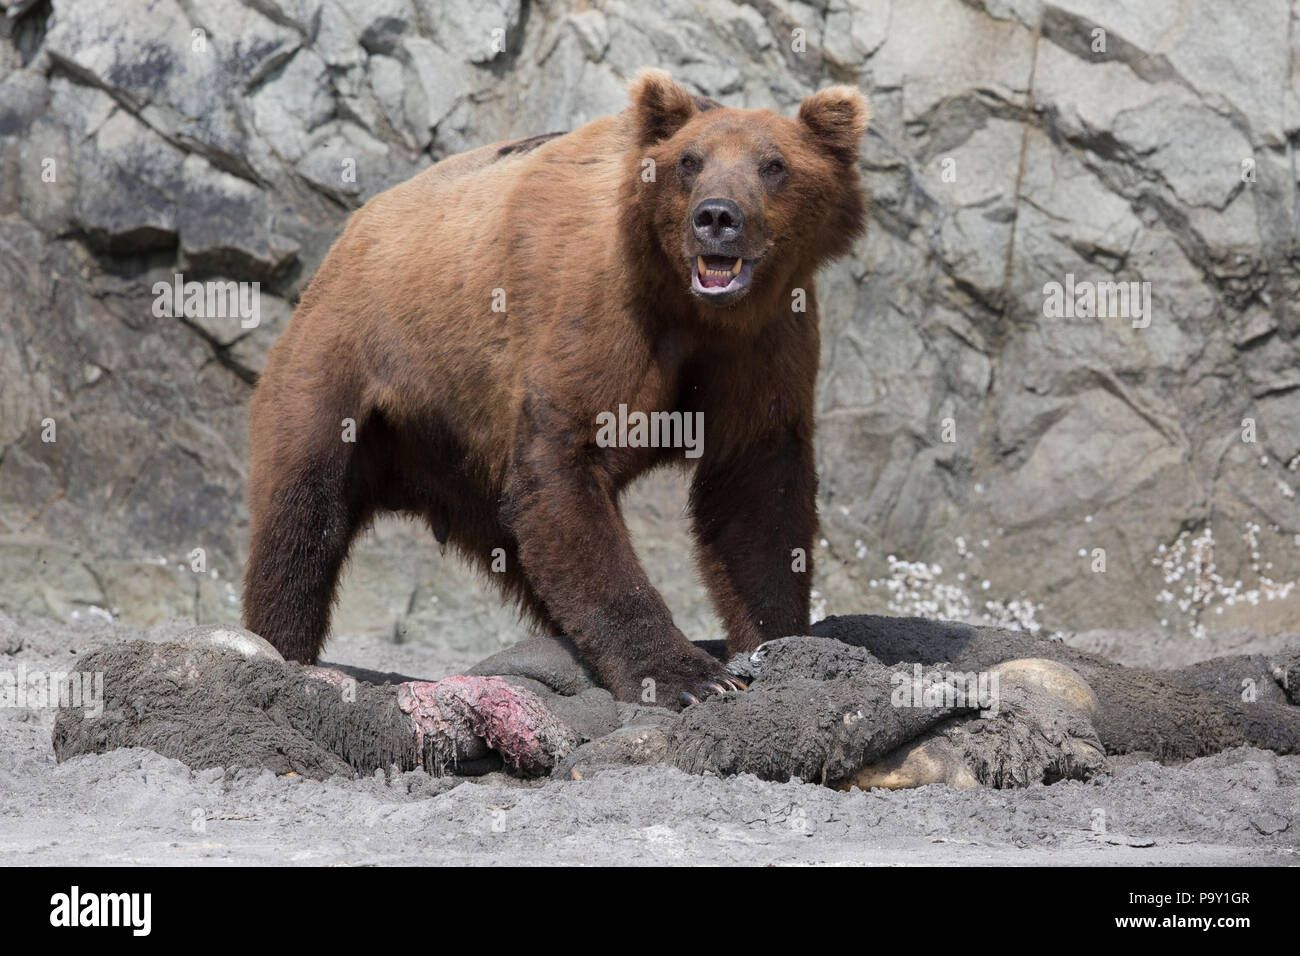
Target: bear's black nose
(718,220)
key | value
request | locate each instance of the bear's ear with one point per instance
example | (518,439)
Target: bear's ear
(837,117)
(659,106)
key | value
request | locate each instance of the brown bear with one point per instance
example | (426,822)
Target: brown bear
(467,342)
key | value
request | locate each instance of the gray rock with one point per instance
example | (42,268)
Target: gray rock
(236,639)
(224,226)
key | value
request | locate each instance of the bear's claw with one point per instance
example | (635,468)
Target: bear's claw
(715,688)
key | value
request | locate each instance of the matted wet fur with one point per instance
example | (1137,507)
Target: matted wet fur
(483,421)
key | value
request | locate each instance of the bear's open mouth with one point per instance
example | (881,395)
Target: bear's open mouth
(721,277)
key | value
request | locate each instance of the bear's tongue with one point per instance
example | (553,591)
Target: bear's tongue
(717,271)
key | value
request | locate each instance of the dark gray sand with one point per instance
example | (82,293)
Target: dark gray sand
(1241,806)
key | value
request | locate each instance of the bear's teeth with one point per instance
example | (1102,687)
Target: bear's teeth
(732,272)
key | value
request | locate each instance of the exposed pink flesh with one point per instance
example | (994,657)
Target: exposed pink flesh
(513,721)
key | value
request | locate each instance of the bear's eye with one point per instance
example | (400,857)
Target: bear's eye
(689,163)
(773,167)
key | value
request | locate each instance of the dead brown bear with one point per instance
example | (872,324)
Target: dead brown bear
(451,358)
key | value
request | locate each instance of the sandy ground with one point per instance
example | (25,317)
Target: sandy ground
(134,806)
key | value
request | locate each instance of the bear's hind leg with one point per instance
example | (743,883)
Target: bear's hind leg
(304,521)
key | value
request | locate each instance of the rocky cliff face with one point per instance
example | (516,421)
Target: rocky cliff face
(985,450)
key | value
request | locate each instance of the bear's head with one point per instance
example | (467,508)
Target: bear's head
(742,201)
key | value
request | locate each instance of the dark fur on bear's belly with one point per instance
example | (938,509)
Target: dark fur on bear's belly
(454,352)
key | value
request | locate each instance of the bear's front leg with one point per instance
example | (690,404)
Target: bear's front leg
(754,515)
(578,558)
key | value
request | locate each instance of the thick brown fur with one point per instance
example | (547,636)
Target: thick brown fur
(483,422)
